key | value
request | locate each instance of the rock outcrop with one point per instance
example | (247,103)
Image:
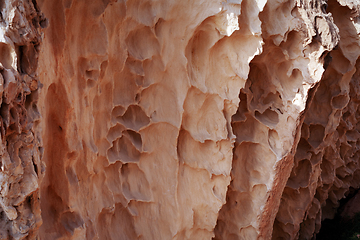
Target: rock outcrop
(167,119)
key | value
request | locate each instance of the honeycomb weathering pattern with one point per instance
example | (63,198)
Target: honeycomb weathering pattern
(20,144)
(164,119)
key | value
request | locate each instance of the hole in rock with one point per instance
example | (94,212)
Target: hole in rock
(274,142)
(315,158)
(13,114)
(160,22)
(35,167)
(27,59)
(118,111)
(340,101)
(5,55)
(135,138)
(127,151)
(300,175)
(137,97)
(134,183)
(123,150)
(91,74)
(197,47)
(142,43)
(352,135)
(273,98)
(269,117)
(317,133)
(71,220)
(115,132)
(134,118)
(29,199)
(19,97)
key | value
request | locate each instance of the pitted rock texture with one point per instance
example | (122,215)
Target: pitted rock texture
(167,119)
(326,163)
(20,144)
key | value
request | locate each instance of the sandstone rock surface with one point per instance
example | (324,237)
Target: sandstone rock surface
(21,168)
(162,119)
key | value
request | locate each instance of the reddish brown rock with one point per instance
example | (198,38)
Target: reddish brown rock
(20,144)
(177,119)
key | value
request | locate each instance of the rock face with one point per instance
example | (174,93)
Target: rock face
(177,119)
(20,145)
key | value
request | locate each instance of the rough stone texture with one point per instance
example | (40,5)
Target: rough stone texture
(21,168)
(177,119)
(326,163)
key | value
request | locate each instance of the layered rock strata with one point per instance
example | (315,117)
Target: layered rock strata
(178,119)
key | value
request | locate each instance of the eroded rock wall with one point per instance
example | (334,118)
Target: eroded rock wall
(179,119)
(326,162)
(139,115)
(20,144)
